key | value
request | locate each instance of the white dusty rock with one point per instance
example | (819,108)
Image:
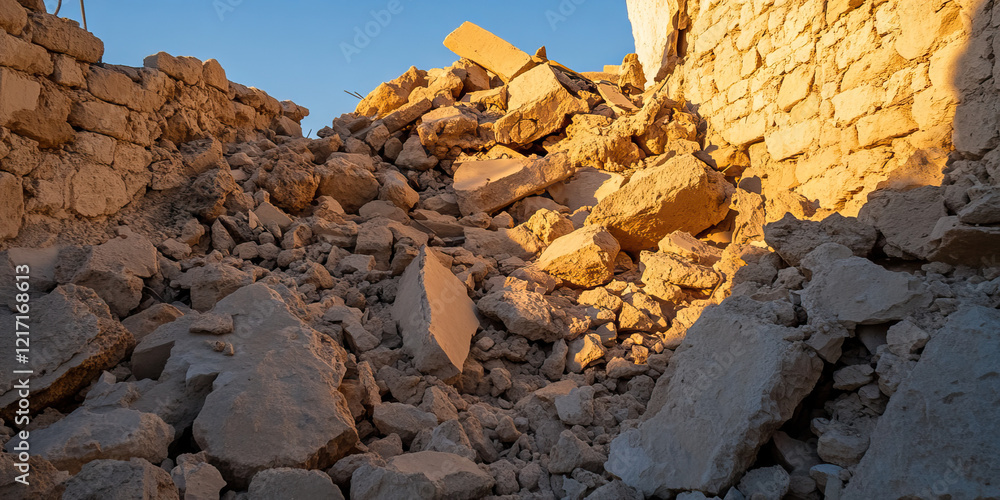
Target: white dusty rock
(425,474)
(767,482)
(586,188)
(855,291)
(538,106)
(121,480)
(793,239)
(584,258)
(489,185)
(293,484)
(436,317)
(679,194)
(709,415)
(942,448)
(290,372)
(402,419)
(117,434)
(81,340)
(197,480)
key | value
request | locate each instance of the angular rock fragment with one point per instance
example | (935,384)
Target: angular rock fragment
(586,188)
(538,106)
(948,443)
(489,185)
(81,340)
(346,179)
(585,257)
(118,434)
(962,244)
(664,268)
(680,194)
(425,474)
(525,313)
(293,483)
(121,480)
(793,239)
(489,51)
(436,317)
(732,383)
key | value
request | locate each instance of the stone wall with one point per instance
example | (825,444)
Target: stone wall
(79,138)
(830,98)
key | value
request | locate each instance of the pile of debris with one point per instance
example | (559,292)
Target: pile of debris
(494,280)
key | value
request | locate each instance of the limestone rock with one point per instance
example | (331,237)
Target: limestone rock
(197,480)
(81,339)
(586,188)
(489,51)
(584,258)
(289,371)
(664,268)
(906,219)
(425,474)
(402,419)
(489,185)
(389,96)
(525,313)
(113,269)
(436,317)
(680,194)
(12,206)
(655,27)
(856,291)
(293,484)
(118,434)
(120,480)
(346,178)
(538,106)
(793,239)
(962,244)
(714,418)
(944,448)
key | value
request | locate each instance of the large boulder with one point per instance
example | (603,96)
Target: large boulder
(116,434)
(272,371)
(348,179)
(75,339)
(489,185)
(538,106)
(425,474)
(679,194)
(436,317)
(584,258)
(793,239)
(293,484)
(937,437)
(731,384)
(121,480)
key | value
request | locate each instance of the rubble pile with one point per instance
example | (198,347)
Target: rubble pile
(499,279)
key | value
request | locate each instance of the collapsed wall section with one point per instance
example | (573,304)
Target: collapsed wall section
(830,98)
(80,138)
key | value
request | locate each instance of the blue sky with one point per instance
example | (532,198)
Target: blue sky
(296,49)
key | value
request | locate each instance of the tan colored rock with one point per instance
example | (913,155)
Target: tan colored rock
(134,478)
(527,314)
(65,36)
(662,268)
(100,117)
(413,155)
(538,106)
(689,247)
(143,323)
(214,75)
(406,114)
(346,178)
(184,68)
(13,17)
(11,205)
(82,340)
(436,317)
(24,56)
(548,225)
(489,51)
(446,130)
(586,188)
(389,96)
(489,185)
(957,243)
(518,242)
(679,194)
(584,258)
(17,93)
(795,86)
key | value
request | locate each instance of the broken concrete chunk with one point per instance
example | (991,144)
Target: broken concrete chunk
(118,434)
(436,317)
(585,257)
(707,414)
(538,106)
(680,194)
(913,453)
(489,185)
(857,291)
(793,239)
(81,340)
(424,474)
(489,51)
(660,268)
